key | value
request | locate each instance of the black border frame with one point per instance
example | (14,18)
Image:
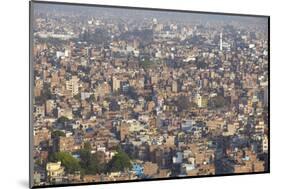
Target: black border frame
(136,8)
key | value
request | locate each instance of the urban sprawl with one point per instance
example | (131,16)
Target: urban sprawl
(124,94)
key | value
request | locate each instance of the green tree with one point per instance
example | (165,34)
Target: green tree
(95,164)
(120,162)
(68,161)
(57,133)
(91,163)
(85,158)
(63,119)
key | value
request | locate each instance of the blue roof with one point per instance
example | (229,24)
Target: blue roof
(138,169)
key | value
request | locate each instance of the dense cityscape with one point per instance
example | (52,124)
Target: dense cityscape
(129,94)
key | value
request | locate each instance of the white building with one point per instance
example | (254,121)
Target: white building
(73,85)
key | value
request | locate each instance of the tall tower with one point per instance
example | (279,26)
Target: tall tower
(221,41)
